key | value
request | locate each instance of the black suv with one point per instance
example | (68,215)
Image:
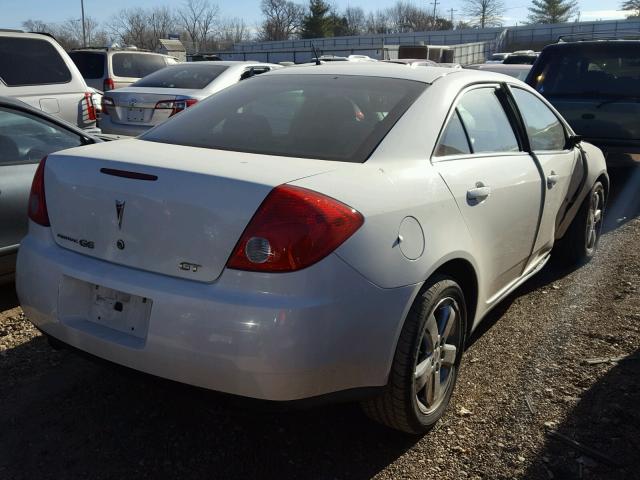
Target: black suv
(595,85)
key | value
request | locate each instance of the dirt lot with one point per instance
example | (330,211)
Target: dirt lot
(525,375)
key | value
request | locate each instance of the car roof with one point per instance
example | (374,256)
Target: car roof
(378,69)
(602,41)
(500,66)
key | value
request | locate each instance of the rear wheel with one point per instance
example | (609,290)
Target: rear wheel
(426,362)
(581,240)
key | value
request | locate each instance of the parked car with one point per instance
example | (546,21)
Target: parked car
(329,230)
(524,58)
(596,87)
(159,96)
(106,69)
(35,69)
(413,62)
(497,57)
(517,71)
(26,135)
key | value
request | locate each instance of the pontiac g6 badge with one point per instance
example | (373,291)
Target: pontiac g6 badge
(120,212)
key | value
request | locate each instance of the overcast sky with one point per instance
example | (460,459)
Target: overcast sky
(14,12)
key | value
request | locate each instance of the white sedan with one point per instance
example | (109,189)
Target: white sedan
(159,96)
(321,231)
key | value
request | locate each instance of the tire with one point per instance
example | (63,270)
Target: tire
(405,405)
(580,242)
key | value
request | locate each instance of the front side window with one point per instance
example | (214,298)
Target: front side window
(543,128)
(136,65)
(453,140)
(25,138)
(486,122)
(182,76)
(325,117)
(30,61)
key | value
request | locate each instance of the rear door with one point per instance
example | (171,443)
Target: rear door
(548,142)
(92,67)
(497,185)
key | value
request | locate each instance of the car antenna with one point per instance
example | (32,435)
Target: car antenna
(315,52)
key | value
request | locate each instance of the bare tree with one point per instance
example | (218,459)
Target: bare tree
(484,13)
(356,21)
(161,22)
(37,26)
(283,19)
(377,22)
(230,31)
(130,26)
(197,18)
(632,6)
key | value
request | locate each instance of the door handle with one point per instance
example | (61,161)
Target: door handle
(552,179)
(479,193)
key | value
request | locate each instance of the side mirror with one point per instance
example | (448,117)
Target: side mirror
(574,141)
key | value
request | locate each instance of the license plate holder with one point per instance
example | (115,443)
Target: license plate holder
(120,311)
(135,115)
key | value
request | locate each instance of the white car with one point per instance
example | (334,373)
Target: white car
(314,231)
(157,97)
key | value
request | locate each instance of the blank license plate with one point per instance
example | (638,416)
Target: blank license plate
(120,311)
(135,115)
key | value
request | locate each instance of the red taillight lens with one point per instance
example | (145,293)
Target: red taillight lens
(176,106)
(293,229)
(107,102)
(91,109)
(108,84)
(37,202)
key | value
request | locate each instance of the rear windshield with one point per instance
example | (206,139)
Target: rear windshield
(520,60)
(91,65)
(136,65)
(328,117)
(30,61)
(182,76)
(606,69)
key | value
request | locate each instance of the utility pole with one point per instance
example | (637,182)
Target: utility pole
(451,10)
(84,31)
(435,6)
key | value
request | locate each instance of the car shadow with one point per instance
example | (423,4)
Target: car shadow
(8,297)
(624,197)
(85,418)
(607,420)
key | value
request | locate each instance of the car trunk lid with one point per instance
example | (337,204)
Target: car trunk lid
(162,208)
(134,106)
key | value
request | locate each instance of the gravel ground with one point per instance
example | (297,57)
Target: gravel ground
(525,376)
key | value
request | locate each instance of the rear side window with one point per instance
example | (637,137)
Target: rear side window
(454,139)
(91,65)
(30,61)
(136,65)
(486,122)
(327,117)
(182,76)
(543,127)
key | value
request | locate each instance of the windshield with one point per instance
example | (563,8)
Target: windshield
(601,70)
(182,76)
(329,117)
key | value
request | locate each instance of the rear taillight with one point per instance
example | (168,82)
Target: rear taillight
(293,229)
(176,106)
(37,202)
(108,84)
(107,102)
(91,108)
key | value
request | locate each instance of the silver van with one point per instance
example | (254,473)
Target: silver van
(35,69)
(109,68)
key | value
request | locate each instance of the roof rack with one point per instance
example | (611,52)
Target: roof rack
(127,48)
(603,35)
(11,30)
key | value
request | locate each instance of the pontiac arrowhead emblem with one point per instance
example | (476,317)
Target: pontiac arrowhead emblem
(120,212)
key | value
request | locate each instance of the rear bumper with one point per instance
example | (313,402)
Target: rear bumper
(110,127)
(274,337)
